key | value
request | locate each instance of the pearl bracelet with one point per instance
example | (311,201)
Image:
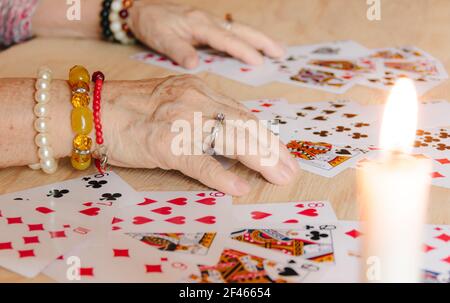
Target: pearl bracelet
(41,124)
(118,15)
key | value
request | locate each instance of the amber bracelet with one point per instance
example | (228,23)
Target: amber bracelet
(81,117)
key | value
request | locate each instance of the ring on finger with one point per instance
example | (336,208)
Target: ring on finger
(228,24)
(210,144)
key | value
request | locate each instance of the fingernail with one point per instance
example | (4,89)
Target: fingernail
(190,63)
(242,187)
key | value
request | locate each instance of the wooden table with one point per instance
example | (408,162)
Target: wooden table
(403,22)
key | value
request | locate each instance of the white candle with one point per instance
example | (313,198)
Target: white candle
(393,192)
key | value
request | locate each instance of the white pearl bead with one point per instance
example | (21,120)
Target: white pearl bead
(41,125)
(45,152)
(41,140)
(113,17)
(35,166)
(120,36)
(41,110)
(45,74)
(42,84)
(42,96)
(49,165)
(116,5)
(116,27)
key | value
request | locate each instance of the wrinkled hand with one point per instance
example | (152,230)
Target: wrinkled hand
(174,30)
(138,117)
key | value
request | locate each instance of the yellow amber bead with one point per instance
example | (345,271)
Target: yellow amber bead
(82,142)
(79,100)
(82,120)
(78,74)
(80,161)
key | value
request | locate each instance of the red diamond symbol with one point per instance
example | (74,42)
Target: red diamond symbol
(443,161)
(443,237)
(33,227)
(87,271)
(6,245)
(427,248)
(153,268)
(66,226)
(26,253)
(57,234)
(121,253)
(447,260)
(353,233)
(17,220)
(438,228)
(60,258)
(436,175)
(31,240)
(255,111)
(164,259)
(266,104)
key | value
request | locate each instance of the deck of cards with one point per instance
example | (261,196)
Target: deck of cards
(330,136)
(98,229)
(332,66)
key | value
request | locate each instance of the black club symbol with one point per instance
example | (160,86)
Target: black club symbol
(316,235)
(56,193)
(96,184)
(86,178)
(110,197)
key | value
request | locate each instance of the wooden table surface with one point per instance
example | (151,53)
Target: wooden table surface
(403,22)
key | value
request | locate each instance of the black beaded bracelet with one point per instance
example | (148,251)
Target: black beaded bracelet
(104,20)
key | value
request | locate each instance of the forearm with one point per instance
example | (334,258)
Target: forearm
(50,19)
(17,132)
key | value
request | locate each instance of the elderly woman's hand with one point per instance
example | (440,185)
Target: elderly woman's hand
(174,30)
(138,128)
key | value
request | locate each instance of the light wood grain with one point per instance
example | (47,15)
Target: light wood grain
(404,22)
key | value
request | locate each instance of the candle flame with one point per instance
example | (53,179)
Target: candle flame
(398,129)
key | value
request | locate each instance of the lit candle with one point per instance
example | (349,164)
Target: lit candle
(393,194)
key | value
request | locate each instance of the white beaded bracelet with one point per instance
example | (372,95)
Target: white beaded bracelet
(41,124)
(117,21)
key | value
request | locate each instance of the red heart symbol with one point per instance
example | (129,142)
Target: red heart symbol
(116,227)
(178,201)
(163,210)
(207,220)
(177,220)
(141,220)
(310,212)
(93,211)
(291,221)
(116,220)
(257,215)
(146,202)
(201,194)
(162,59)
(44,210)
(88,204)
(244,69)
(209,60)
(207,201)
(301,205)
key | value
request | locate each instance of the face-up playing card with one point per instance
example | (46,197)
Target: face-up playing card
(28,245)
(403,52)
(238,265)
(114,258)
(322,158)
(436,254)
(334,50)
(313,242)
(354,65)
(425,68)
(288,215)
(196,247)
(175,212)
(88,200)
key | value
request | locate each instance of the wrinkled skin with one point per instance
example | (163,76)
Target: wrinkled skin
(139,115)
(174,30)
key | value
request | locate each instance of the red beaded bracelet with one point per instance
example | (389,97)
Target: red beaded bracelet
(101,158)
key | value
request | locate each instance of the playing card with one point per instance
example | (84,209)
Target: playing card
(180,212)
(313,242)
(114,258)
(403,52)
(89,200)
(236,265)
(424,68)
(28,245)
(355,65)
(195,247)
(334,50)
(436,254)
(289,215)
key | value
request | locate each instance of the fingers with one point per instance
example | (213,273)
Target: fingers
(258,40)
(225,41)
(180,51)
(210,172)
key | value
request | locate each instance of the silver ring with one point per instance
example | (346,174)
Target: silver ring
(209,150)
